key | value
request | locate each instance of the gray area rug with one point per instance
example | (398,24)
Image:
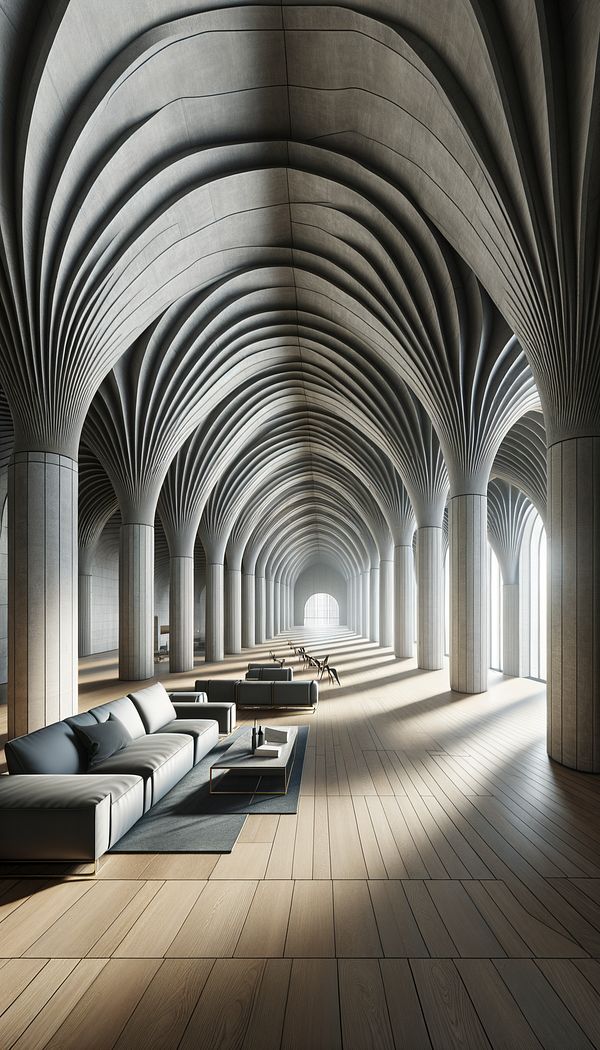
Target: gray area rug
(191,820)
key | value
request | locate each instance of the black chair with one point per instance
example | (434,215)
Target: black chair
(323,666)
(332,674)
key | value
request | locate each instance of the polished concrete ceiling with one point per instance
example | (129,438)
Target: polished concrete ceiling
(293,271)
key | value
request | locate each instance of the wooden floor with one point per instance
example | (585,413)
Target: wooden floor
(438,887)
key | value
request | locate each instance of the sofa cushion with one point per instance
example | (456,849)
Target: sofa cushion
(161,759)
(255,694)
(86,718)
(295,694)
(217,689)
(125,711)
(53,749)
(203,731)
(103,739)
(154,707)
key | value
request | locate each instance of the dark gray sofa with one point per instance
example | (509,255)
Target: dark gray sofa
(245,693)
(269,673)
(53,809)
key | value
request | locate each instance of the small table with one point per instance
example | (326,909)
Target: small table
(239,759)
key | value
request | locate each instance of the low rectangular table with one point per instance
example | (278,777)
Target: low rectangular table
(239,760)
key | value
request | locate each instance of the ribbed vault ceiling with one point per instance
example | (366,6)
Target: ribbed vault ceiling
(292,269)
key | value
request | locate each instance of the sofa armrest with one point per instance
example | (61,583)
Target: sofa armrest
(224,713)
(191,697)
(66,817)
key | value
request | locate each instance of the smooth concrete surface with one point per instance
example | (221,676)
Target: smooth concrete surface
(42,590)
(430,599)
(469,610)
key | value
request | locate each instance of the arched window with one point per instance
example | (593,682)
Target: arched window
(321,610)
(532,580)
(495,597)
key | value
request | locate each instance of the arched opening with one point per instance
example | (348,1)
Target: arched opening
(533,598)
(495,612)
(321,610)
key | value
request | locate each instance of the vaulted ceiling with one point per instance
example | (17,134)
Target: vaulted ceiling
(333,253)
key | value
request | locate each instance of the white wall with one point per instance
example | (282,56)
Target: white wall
(105,590)
(199,596)
(319,579)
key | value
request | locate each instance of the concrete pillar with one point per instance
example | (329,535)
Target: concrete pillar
(574,603)
(365,599)
(404,602)
(85,614)
(181,614)
(261,609)
(136,602)
(233,611)
(270,598)
(374,604)
(85,588)
(357,601)
(248,610)
(469,612)
(386,603)
(510,629)
(430,599)
(276,607)
(215,640)
(42,590)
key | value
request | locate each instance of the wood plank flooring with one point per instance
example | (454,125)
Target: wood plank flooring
(439,887)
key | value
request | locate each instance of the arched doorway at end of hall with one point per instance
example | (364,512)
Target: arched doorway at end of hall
(321,610)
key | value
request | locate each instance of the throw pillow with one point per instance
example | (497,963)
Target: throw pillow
(101,741)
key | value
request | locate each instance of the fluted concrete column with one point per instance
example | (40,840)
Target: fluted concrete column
(404,602)
(270,598)
(430,599)
(248,610)
(374,604)
(42,590)
(469,612)
(136,601)
(215,626)
(233,611)
(261,609)
(510,629)
(357,590)
(85,614)
(386,602)
(85,588)
(276,607)
(181,614)
(365,599)
(574,603)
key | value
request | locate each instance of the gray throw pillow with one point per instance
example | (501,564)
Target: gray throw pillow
(102,741)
